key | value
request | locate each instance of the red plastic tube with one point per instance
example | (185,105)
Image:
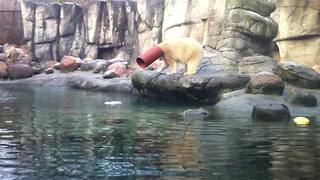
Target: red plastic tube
(149,56)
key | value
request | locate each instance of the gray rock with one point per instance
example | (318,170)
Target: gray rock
(1,48)
(298,74)
(252,24)
(121,85)
(43,52)
(87,66)
(265,8)
(78,44)
(92,18)
(65,45)
(19,71)
(3,57)
(195,114)
(49,71)
(256,64)
(70,20)
(110,74)
(270,112)
(113,24)
(302,98)
(195,88)
(28,17)
(70,16)
(36,68)
(100,65)
(91,51)
(46,23)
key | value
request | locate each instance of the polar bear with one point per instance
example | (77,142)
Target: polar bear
(186,51)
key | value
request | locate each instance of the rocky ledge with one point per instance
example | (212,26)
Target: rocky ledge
(194,88)
(79,80)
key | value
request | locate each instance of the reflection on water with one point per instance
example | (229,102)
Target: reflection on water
(59,133)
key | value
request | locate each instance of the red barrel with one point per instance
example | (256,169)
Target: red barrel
(149,56)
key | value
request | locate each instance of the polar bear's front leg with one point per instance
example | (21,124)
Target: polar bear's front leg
(174,67)
(192,67)
(164,66)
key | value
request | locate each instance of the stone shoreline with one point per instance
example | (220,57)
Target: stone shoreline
(231,102)
(79,80)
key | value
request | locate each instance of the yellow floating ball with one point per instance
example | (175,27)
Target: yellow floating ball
(301,120)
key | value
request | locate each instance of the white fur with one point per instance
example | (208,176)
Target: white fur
(187,51)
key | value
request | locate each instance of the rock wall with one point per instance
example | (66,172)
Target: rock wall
(53,30)
(11,22)
(232,28)
(298,37)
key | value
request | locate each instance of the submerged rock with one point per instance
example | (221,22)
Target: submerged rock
(302,98)
(265,83)
(270,112)
(298,74)
(195,114)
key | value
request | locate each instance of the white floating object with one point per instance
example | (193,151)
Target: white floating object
(112,102)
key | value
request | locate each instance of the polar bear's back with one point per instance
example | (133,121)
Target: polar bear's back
(181,49)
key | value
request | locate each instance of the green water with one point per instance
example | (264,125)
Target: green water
(50,132)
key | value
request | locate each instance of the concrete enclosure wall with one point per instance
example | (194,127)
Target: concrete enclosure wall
(11,22)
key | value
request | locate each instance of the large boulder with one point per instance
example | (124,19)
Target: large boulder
(298,37)
(195,88)
(298,74)
(3,70)
(19,71)
(195,114)
(265,83)
(270,112)
(256,64)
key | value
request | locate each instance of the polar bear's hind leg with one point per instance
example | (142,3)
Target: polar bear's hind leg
(193,63)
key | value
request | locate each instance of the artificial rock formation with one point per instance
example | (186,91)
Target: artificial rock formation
(237,35)
(54,30)
(234,29)
(298,37)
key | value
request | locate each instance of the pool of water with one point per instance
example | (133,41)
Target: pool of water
(49,132)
